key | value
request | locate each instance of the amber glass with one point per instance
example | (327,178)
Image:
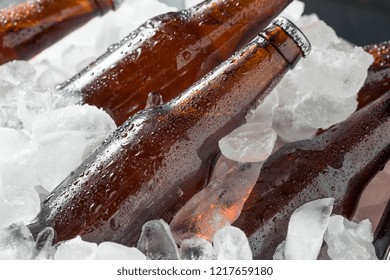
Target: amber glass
(28,28)
(382,235)
(158,159)
(378,79)
(170,52)
(339,163)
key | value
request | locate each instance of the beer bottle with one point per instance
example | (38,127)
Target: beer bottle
(382,235)
(162,156)
(338,163)
(378,79)
(169,53)
(30,27)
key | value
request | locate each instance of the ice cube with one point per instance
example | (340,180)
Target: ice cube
(18,204)
(76,249)
(114,251)
(264,112)
(306,229)
(294,11)
(57,155)
(252,142)
(16,78)
(178,4)
(349,241)
(323,111)
(217,205)
(33,104)
(16,242)
(50,78)
(196,249)
(312,96)
(12,143)
(156,241)
(94,124)
(306,20)
(288,128)
(44,248)
(231,243)
(1,185)
(82,54)
(17,72)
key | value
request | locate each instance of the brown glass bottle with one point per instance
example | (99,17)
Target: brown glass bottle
(28,28)
(338,163)
(378,79)
(169,53)
(382,235)
(161,157)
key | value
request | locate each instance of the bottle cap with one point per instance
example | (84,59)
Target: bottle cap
(295,33)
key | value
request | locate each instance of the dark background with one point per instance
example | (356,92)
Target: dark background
(361,22)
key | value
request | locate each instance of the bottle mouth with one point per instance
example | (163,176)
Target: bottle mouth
(296,34)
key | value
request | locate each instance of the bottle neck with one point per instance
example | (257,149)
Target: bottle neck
(216,12)
(254,68)
(233,23)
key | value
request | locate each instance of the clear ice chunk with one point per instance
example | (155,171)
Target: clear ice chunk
(17,72)
(44,249)
(217,205)
(306,229)
(255,140)
(57,155)
(294,11)
(196,249)
(178,4)
(349,241)
(12,143)
(76,249)
(95,124)
(114,251)
(251,142)
(16,78)
(16,242)
(83,54)
(312,96)
(49,76)
(18,204)
(156,241)
(231,243)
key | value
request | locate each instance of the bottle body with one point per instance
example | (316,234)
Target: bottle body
(382,235)
(338,163)
(169,53)
(161,157)
(378,79)
(28,28)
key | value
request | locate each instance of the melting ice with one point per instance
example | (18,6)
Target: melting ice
(349,241)
(306,230)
